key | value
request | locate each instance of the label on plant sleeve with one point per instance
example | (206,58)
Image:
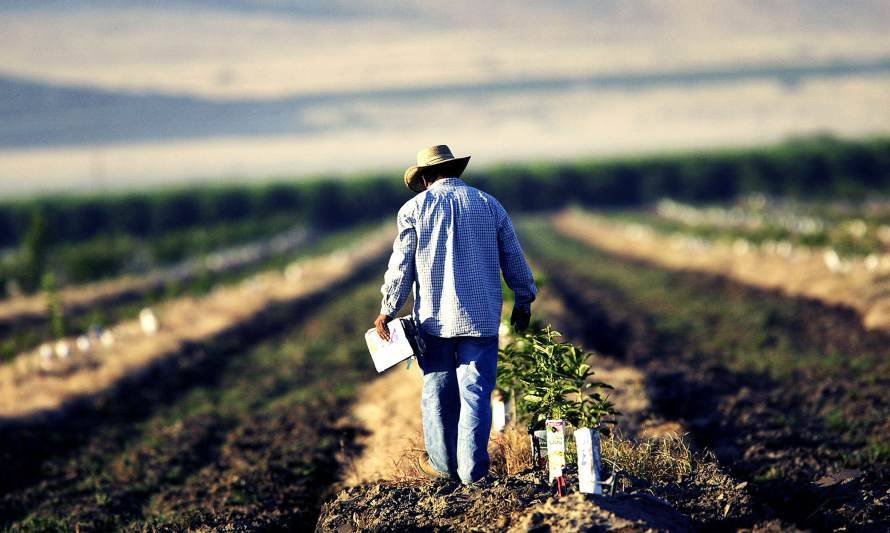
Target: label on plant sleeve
(587,441)
(556,447)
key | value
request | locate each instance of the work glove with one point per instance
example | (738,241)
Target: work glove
(520,317)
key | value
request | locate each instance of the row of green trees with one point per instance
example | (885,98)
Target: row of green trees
(811,168)
(146,214)
(819,168)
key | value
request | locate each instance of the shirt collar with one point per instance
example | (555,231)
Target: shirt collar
(446,181)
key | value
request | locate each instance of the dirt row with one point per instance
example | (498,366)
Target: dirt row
(389,409)
(31,385)
(244,430)
(235,433)
(383,491)
(802,466)
(797,271)
(29,311)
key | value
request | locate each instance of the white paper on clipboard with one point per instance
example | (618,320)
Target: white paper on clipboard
(386,354)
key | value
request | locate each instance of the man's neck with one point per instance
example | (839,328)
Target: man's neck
(440,180)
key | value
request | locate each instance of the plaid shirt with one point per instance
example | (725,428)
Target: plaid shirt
(453,242)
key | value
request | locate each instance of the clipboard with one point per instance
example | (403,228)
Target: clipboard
(404,342)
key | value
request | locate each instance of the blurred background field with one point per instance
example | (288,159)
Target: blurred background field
(98,96)
(191,199)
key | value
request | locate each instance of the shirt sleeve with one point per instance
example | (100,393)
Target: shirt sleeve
(400,273)
(517,273)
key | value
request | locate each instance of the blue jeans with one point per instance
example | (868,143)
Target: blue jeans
(458,378)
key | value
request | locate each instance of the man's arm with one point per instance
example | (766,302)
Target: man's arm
(399,274)
(517,273)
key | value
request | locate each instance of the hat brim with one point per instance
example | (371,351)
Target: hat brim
(412,174)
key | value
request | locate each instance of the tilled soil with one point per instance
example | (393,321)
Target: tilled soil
(522,502)
(233,438)
(623,512)
(267,473)
(802,272)
(389,498)
(239,434)
(801,466)
(389,409)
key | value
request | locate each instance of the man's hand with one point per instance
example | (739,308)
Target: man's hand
(520,317)
(382,330)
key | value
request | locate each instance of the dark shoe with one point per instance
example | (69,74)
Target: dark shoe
(426,468)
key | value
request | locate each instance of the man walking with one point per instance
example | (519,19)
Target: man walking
(453,243)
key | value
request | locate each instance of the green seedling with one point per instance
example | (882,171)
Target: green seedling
(553,380)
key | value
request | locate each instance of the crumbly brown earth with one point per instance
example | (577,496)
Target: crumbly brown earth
(808,436)
(624,512)
(236,434)
(522,502)
(242,433)
(384,492)
(389,410)
(804,273)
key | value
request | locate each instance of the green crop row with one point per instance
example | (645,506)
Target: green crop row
(838,236)
(271,403)
(107,256)
(26,337)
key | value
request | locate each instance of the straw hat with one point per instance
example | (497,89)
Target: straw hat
(438,156)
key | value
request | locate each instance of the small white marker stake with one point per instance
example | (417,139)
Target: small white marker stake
(498,412)
(587,441)
(149,321)
(83,343)
(107,338)
(46,351)
(62,349)
(556,447)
